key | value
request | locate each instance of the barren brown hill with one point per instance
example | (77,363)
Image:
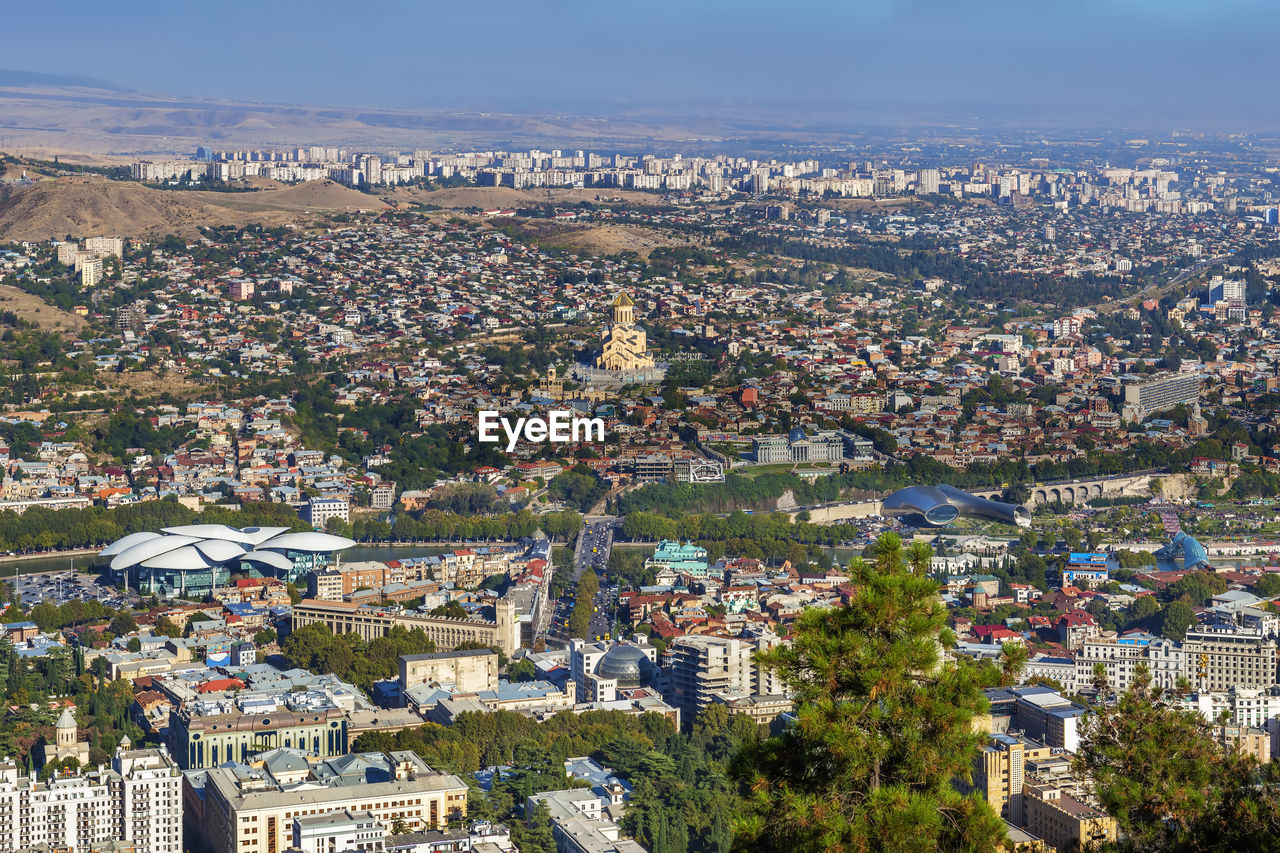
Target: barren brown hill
(594,239)
(312,195)
(33,309)
(88,206)
(615,239)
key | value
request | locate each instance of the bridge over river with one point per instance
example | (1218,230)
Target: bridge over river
(1136,484)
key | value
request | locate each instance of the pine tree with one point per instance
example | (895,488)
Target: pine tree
(883,729)
(1170,785)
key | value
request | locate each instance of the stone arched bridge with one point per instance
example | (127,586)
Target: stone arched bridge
(1137,485)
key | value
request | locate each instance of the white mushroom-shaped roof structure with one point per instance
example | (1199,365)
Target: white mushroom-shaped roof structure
(190,547)
(320,543)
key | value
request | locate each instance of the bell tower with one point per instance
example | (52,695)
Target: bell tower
(66,731)
(624,311)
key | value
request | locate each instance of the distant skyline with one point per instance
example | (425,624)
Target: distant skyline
(1125,63)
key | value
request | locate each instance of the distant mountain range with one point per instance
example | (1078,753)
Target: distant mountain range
(12,78)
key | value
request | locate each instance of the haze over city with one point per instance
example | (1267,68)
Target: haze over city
(1129,63)
(663,428)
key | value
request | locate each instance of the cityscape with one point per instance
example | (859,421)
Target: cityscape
(688,460)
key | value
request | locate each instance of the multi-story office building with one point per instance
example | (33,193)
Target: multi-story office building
(1243,706)
(210,733)
(137,801)
(320,510)
(999,771)
(369,623)
(256,810)
(465,671)
(1220,658)
(1121,655)
(1063,821)
(1040,713)
(1159,394)
(1225,290)
(703,667)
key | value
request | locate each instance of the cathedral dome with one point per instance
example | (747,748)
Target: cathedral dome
(796,434)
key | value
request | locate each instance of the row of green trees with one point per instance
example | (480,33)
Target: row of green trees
(41,529)
(351,658)
(583,604)
(751,535)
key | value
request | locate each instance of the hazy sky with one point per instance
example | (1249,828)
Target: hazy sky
(1140,62)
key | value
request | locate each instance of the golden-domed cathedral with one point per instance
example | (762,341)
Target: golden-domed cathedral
(624,346)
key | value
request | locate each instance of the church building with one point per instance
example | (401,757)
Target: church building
(624,344)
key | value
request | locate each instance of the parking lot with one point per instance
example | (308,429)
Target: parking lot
(60,587)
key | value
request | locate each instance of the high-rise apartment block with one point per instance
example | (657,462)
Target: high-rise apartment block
(90,272)
(928,182)
(703,667)
(999,773)
(105,246)
(1159,394)
(137,800)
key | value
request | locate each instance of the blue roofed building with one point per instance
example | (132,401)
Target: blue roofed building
(673,558)
(1085,569)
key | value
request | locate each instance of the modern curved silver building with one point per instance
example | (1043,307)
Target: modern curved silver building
(195,559)
(938,506)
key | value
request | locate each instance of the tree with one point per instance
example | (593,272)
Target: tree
(919,556)
(166,627)
(122,624)
(1268,586)
(449,610)
(1013,658)
(883,728)
(1178,617)
(1143,607)
(1159,771)
(535,835)
(522,670)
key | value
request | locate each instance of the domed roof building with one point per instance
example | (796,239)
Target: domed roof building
(627,665)
(195,559)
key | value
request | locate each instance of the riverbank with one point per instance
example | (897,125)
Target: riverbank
(51,555)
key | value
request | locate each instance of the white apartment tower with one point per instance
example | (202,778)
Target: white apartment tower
(928,182)
(138,800)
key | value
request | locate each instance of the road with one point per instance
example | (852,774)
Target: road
(1156,291)
(592,551)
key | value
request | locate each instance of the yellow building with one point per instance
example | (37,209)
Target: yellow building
(999,771)
(1064,821)
(624,345)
